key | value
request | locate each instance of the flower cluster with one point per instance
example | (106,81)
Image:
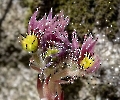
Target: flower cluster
(55,57)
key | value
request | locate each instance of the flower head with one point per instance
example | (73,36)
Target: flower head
(87,59)
(48,29)
(51,33)
(30,43)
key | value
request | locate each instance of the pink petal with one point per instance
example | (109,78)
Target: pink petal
(90,49)
(85,45)
(41,24)
(75,43)
(33,22)
(50,15)
(88,46)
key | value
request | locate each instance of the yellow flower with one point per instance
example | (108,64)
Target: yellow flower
(30,43)
(87,61)
(51,51)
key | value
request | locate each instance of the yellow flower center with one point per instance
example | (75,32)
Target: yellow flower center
(30,43)
(87,61)
(51,51)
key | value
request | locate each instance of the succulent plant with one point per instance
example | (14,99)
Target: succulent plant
(54,56)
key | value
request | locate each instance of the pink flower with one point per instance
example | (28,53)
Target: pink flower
(51,34)
(89,61)
(49,29)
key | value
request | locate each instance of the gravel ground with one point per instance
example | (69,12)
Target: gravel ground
(18,81)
